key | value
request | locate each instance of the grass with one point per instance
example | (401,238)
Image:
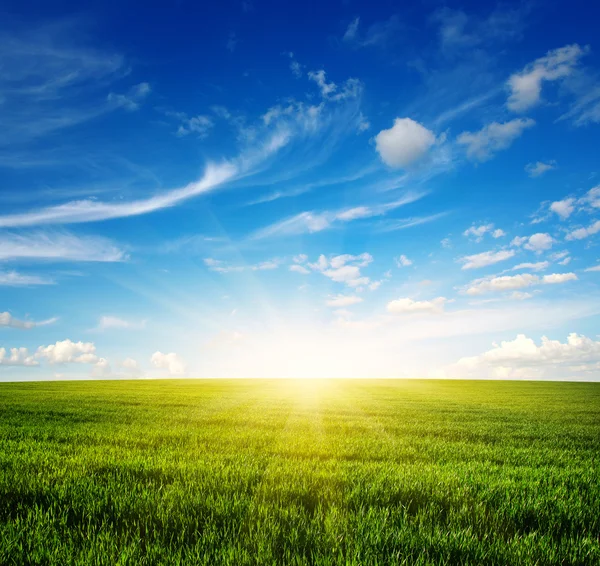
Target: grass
(301,472)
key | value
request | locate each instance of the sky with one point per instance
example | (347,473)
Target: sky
(299,189)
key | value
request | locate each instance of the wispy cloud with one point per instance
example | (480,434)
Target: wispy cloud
(310,222)
(9,321)
(59,246)
(17,279)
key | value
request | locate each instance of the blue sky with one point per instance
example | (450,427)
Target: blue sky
(299,190)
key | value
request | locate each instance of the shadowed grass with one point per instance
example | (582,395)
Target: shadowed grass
(299,472)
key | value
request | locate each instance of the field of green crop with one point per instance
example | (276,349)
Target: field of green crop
(299,472)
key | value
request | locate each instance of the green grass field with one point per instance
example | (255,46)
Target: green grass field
(302,472)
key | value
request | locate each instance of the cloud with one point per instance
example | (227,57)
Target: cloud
(232,42)
(130,101)
(352,88)
(478,232)
(9,321)
(93,210)
(526,87)
(46,74)
(171,362)
(539,266)
(344,268)
(310,222)
(131,367)
(539,242)
(220,266)
(592,269)
(539,168)
(403,261)
(343,301)
(67,351)
(114,323)
(494,137)
(59,246)
(512,282)
(16,357)
(200,125)
(536,243)
(564,208)
(16,279)
(379,34)
(582,233)
(299,269)
(485,258)
(410,306)
(522,358)
(404,143)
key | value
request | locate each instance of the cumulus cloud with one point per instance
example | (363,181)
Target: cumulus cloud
(494,137)
(403,261)
(343,301)
(477,232)
(513,282)
(67,351)
(539,168)
(404,143)
(344,268)
(171,362)
(410,306)
(582,233)
(536,243)
(485,258)
(16,357)
(522,358)
(564,208)
(526,86)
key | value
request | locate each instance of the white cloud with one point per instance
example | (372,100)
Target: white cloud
(518,241)
(594,268)
(591,198)
(343,301)
(512,282)
(300,258)
(404,143)
(131,100)
(200,125)
(312,222)
(564,208)
(410,306)
(498,233)
(94,210)
(352,88)
(526,86)
(344,268)
(299,269)
(520,296)
(539,168)
(131,367)
(16,357)
(446,243)
(16,279)
(522,358)
(582,233)
(171,362)
(403,261)
(477,232)
(539,266)
(485,258)
(539,242)
(220,266)
(67,351)
(59,246)
(113,322)
(494,137)
(320,78)
(351,30)
(9,321)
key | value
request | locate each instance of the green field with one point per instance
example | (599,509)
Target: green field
(299,472)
